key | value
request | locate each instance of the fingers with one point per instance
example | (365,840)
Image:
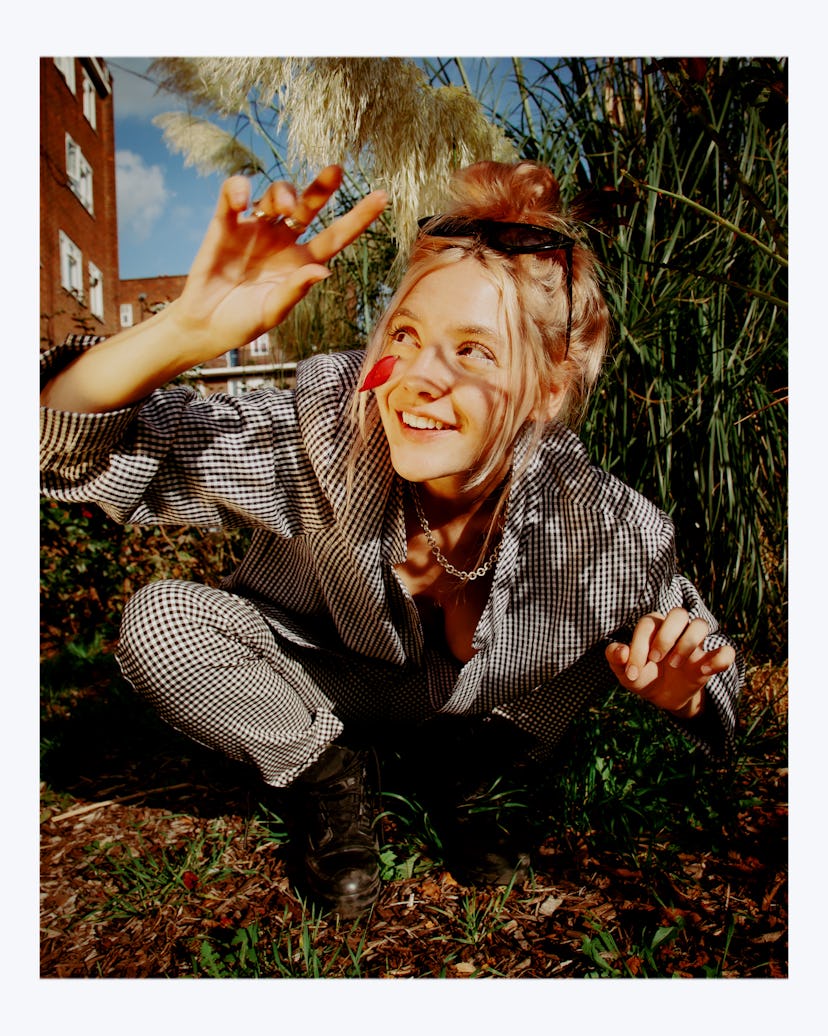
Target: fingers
(617,655)
(666,662)
(330,241)
(656,637)
(234,196)
(282,211)
(279,200)
(677,637)
(717,661)
(283,208)
(317,194)
(668,643)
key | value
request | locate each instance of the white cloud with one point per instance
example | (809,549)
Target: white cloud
(142,193)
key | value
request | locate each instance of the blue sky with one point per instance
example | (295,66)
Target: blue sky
(163,207)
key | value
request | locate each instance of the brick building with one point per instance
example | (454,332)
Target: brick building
(78,218)
(141,297)
(80,288)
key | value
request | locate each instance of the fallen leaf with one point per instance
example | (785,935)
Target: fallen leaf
(549,906)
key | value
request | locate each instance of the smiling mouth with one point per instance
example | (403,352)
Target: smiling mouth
(428,423)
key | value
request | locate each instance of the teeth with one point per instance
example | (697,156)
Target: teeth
(422,422)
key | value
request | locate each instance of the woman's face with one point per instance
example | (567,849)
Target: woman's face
(446,393)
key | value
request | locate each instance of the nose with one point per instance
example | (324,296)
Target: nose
(428,372)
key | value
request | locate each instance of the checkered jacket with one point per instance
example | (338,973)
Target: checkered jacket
(583,556)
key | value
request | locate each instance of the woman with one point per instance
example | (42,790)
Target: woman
(432,550)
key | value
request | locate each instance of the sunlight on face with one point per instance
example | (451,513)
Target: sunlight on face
(445,396)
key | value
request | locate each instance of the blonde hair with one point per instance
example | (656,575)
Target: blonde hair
(533,295)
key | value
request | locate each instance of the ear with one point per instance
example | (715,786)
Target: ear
(553,403)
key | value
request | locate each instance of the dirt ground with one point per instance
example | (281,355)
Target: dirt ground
(160,866)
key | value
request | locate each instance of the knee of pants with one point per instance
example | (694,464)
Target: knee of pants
(207,661)
(150,631)
(174,633)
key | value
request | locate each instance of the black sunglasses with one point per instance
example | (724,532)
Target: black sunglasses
(510,239)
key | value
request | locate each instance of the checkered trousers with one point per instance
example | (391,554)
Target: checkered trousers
(214,669)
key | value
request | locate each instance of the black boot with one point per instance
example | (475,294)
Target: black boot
(341,857)
(485,834)
(476,787)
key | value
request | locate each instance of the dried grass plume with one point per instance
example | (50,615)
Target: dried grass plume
(377,115)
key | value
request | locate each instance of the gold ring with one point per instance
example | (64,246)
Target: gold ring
(294,224)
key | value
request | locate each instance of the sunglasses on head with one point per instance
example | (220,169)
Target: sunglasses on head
(510,239)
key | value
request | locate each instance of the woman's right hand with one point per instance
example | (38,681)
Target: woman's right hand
(251,270)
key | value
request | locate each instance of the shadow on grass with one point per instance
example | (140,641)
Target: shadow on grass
(100,741)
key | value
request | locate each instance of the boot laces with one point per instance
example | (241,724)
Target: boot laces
(341,806)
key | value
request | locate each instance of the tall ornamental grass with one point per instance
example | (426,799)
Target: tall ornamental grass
(284,118)
(679,170)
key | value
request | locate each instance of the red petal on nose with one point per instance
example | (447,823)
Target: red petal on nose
(379,373)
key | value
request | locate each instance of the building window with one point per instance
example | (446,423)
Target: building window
(90,96)
(96,303)
(66,67)
(71,266)
(260,346)
(79,172)
(127,319)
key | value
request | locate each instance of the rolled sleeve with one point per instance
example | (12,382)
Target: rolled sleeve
(714,730)
(180,458)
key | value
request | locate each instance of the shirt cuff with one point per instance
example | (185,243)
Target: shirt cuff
(65,437)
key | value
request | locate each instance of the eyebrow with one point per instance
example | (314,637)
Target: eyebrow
(466,329)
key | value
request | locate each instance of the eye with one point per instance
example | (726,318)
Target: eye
(400,335)
(477,353)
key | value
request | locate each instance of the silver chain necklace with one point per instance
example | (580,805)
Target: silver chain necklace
(442,560)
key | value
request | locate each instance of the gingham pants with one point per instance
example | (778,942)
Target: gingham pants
(214,669)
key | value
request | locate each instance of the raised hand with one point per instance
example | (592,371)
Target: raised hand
(248,274)
(252,269)
(666,662)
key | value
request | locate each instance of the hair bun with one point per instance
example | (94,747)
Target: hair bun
(511,193)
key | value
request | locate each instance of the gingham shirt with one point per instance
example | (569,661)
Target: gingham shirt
(583,556)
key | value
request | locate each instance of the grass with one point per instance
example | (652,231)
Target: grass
(158,860)
(141,880)
(678,170)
